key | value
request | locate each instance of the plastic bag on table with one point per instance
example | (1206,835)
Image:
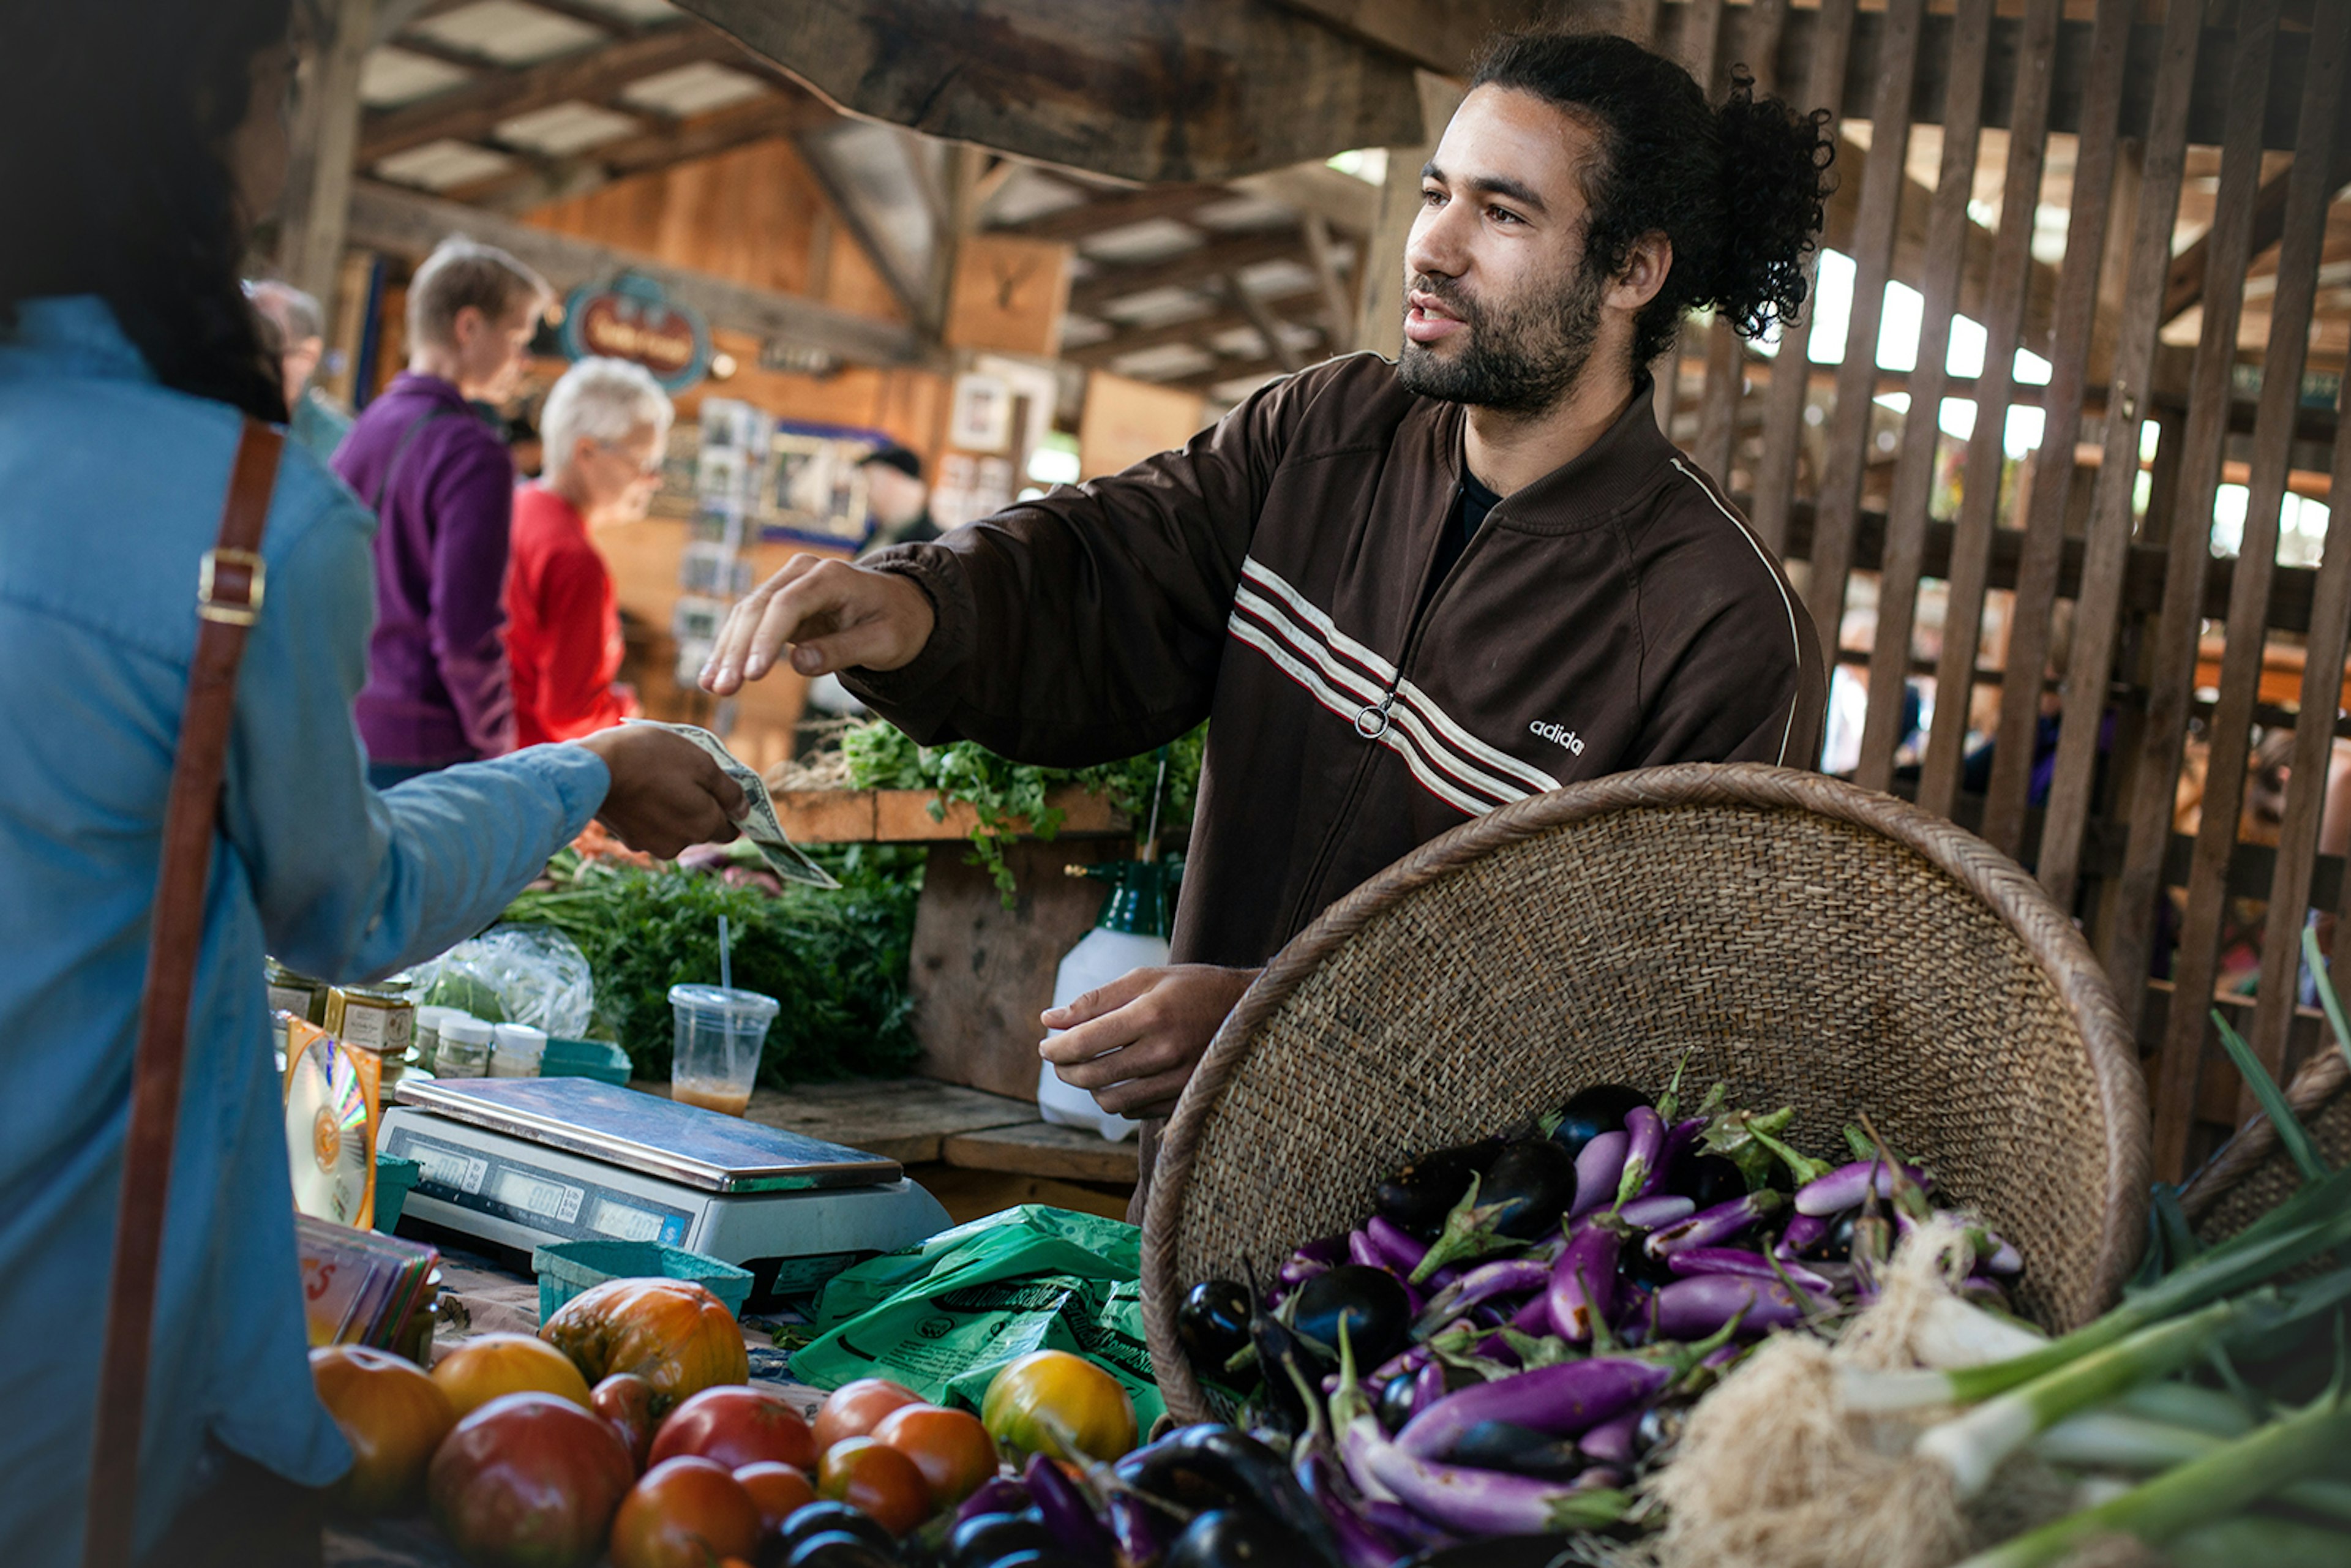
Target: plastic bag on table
(521,973)
(944,1317)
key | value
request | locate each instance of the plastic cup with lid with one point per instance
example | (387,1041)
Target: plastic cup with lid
(716,1048)
(465,1048)
(515,1049)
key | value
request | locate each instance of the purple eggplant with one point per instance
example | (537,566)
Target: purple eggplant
(1401,1253)
(1582,1284)
(1673,1155)
(981,1538)
(1417,1199)
(1296,1271)
(1712,1227)
(1804,1232)
(1645,1133)
(1695,1261)
(1846,1186)
(1612,1442)
(1141,1528)
(1408,1394)
(1066,1512)
(1501,1278)
(1656,1213)
(1362,1544)
(999,1494)
(1479,1503)
(1534,1316)
(1208,1466)
(1694,1308)
(1593,1113)
(1402,1522)
(1361,1253)
(1598,1170)
(1559,1401)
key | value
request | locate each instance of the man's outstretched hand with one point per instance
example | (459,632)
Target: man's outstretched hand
(1135,1041)
(667,793)
(831,614)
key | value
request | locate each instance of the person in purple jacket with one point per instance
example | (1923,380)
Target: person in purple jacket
(441,485)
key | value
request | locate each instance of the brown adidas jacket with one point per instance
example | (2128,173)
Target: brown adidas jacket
(1270,576)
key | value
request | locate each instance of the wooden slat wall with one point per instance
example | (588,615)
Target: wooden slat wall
(2077,565)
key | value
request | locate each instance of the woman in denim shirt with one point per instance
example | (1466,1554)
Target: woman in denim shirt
(137,142)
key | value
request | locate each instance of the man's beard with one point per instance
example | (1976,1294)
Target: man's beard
(1520,357)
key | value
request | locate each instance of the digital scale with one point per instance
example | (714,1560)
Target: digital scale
(523,1162)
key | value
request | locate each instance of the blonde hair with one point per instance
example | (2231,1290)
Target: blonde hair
(604,399)
(460,273)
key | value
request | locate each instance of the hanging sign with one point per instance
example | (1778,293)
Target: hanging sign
(632,318)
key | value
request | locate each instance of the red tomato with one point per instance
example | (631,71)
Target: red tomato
(393,1415)
(951,1449)
(684,1512)
(737,1425)
(854,1409)
(778,1489)
(626,1402)
(1038,1400)
(878,1481)
(528,1481)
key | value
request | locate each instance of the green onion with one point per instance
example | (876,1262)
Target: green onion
(2327,996)
(2115,1439)
(2215,1486)
(2273,1102)
(2251,1538)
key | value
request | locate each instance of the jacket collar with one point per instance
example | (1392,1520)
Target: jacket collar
(410,383)
(75,334)
(1589,488)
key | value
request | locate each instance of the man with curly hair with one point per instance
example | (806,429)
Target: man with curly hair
(1405,593)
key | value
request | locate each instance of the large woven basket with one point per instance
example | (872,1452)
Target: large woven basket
(1807,941)
(2252,1172)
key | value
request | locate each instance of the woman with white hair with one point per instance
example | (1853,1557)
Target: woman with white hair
(603,430)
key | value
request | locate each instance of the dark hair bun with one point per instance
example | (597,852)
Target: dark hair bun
(1776,183)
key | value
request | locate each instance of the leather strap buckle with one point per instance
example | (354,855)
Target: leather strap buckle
(232,610)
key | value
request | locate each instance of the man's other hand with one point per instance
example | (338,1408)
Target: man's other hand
(667,793)
(832,615)
(1135,1041)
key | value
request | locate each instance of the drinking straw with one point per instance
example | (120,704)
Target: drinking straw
(726,959)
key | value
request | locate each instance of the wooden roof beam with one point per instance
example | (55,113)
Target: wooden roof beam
(2185,286)
(1191,329)
(1114,211)
(474,110)
(404,223)
(1195,268)
(704,136)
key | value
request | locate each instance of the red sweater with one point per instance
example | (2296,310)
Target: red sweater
(563,630)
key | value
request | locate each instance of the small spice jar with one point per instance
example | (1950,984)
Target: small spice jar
(516,1049)
(465,1048)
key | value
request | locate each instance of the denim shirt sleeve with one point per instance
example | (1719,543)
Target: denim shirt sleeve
(351,883)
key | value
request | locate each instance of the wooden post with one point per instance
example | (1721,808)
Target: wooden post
(1380,327)
(325,135)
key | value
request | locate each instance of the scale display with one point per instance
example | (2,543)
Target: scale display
(533,1195)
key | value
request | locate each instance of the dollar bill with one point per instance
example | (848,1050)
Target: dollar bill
(762,827)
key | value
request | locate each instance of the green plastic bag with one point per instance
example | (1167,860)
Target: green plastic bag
(942,1318)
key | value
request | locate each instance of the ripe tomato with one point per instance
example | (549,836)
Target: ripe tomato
(878,1481)
(393,1415)
(737,1425)
(951,1447)
(684,1513)
(490,1364)
(854,1409)
(626,1402)
(778,1489)
(530,1480)
(1047,1393)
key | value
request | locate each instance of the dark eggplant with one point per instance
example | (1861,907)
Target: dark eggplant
(1660,1425)
(1042,1559)
(1280,1405)
(1520,1450)
(1417,1197)
(1591,1112)
(1706,1180)
(1836,1247)
(838,1549)
(999,1494)
(1213,1323)
(1399,1401)
(830,1517)
(1377,1308)
(1141,1528)
(1532,1183)
(1211,1466)
(983,1538)
(1232,1539)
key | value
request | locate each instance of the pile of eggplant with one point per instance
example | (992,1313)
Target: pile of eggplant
(1506,1345)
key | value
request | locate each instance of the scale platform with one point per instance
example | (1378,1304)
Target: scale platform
(521,1163)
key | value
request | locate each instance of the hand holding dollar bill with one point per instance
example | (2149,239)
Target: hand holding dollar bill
(762,825)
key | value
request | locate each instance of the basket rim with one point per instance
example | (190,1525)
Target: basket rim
(2020,902)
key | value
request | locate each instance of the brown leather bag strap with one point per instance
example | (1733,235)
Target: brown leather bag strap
(229,598)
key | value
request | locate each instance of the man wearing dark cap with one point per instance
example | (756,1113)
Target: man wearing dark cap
(896,495)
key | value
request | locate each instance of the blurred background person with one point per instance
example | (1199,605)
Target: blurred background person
(442,483)
(898,500)
(294,329)
(604,430)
